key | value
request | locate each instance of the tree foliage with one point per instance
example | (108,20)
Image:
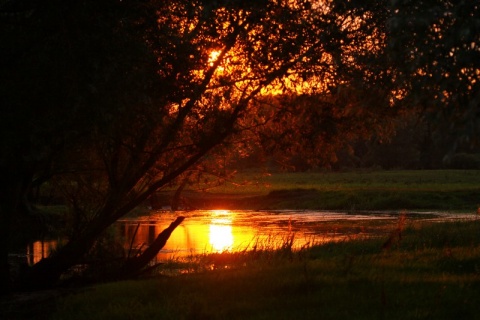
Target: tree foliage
(434,47)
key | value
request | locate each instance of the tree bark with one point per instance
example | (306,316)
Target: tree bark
(134,266)
(47,272)
(177,195)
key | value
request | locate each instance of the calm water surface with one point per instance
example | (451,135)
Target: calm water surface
(212,231)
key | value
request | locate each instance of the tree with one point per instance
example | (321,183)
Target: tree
(317,126)
(114,100)
(434,47)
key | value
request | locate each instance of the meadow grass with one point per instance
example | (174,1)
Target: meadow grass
(429,271)
(445,190)
(254,181)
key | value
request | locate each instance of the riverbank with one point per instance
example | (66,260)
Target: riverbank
(434,190)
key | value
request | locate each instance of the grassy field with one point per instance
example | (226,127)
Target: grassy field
(436,180)
(444,190)
(431,272)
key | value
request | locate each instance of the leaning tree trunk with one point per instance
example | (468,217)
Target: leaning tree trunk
(134,266)
(48,271)
(177,196)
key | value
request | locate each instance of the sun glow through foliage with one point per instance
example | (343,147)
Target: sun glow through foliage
(213,57)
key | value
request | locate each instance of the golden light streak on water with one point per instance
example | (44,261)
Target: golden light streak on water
(210,231)
(220,237)
(217,233)
(39,250)
(220,234)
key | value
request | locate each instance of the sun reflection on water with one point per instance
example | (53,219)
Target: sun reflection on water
(221,237)
(214,231)
(220,231)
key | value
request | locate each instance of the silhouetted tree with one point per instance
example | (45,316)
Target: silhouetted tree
(114,100)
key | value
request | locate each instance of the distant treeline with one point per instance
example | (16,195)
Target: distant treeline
(415,145)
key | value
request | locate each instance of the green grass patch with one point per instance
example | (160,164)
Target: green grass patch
(444,190)
(431,272)
(444,180)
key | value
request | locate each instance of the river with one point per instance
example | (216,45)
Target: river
(210,231)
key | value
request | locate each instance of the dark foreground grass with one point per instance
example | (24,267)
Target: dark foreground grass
(430,272)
